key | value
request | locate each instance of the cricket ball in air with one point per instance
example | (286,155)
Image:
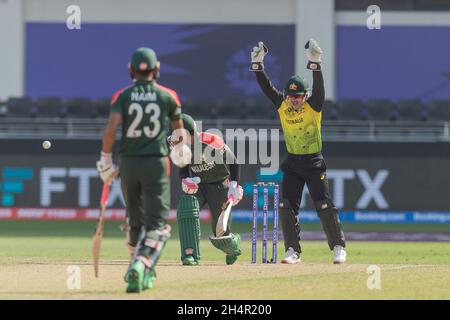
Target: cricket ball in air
(46,144)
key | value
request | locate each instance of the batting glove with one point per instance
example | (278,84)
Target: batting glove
(190,185)
(107,170)
(257,57)
(314,55)
(236,192)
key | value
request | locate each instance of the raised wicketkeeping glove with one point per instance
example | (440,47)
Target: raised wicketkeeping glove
(181,155)
(257,57)
(314,55)
(236,192)
(107,170)
(190,185)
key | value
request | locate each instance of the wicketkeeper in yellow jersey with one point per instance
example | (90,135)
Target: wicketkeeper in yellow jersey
(300,113)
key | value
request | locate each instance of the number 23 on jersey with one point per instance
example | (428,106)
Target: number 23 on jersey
(145,118)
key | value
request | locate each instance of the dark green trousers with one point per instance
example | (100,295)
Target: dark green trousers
(215,195)
(146,188)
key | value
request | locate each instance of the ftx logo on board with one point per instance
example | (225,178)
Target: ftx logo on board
(12,182)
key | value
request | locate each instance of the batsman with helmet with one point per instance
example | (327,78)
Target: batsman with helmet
(144,110)
(212,180)
(300,113)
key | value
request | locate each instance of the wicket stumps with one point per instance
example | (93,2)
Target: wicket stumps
(265,216)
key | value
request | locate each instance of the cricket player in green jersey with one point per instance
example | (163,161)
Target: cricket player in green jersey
(147,112)
(300,113)
(212,179)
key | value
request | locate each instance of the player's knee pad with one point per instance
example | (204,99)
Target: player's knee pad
(285,203)
(228,244)
(288,213)
(155,238)
(153,244)
(329,217)
(325,205)
(188,217)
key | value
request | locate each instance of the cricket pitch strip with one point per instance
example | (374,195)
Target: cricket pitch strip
(214,280)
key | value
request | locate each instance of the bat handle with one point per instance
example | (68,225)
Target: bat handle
(105,194)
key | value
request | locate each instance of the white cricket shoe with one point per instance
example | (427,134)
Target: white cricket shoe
(339,254)
(291,256)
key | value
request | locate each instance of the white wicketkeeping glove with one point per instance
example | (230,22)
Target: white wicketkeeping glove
(314,55)
(190,185)
(257,57)
(107,170)
(236,192)
(181,155)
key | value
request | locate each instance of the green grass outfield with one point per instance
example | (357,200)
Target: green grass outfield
(34,257)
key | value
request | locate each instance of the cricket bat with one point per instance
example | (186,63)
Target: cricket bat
(98,234)
(222,222)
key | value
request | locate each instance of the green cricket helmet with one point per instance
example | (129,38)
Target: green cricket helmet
(144,59)
(189,125)
(296,85)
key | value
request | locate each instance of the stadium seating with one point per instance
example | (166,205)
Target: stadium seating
(381,109)
(3,109)
(80,108)
(352,109)
(255,108)
(201,110)
(330,111)
(249,109)
(252,108)
(102,107)
(50,107)
(411,110)
(439,110)
(21,108)
(260,111)
(228,110)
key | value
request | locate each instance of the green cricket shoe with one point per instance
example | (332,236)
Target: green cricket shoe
(149,277)
(189,261)
(135,277)
(230,259)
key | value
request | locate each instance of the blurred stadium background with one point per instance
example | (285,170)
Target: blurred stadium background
(386,124)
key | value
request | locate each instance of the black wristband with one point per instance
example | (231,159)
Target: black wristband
(314,66)
(257,66)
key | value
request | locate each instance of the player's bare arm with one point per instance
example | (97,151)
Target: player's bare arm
(178,124)
(105,166)
(109,135)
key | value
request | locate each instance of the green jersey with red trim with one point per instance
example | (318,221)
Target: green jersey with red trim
(147,109)
(211,166)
